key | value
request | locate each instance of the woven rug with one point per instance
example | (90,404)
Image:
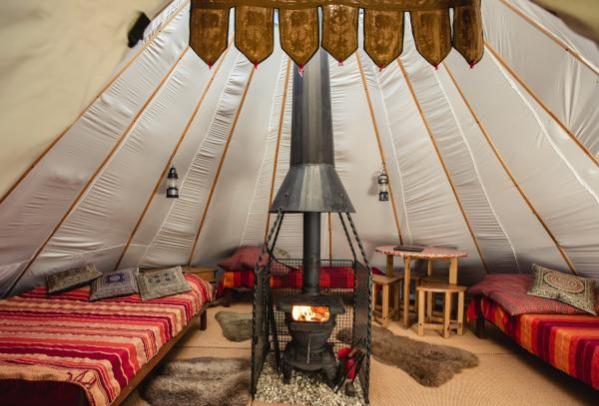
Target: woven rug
(236,326)
(429,364)
(204,381)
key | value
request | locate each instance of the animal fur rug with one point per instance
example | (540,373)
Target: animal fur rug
(204,381)
(429,364)
(236,326)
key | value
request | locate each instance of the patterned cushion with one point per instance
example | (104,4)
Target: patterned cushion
(157,283)
(72,278)
(114,284)
(573,290)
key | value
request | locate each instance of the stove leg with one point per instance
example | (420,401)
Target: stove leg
(287,373)
(330,367)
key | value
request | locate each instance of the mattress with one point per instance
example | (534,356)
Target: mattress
(568,342)
(97,346)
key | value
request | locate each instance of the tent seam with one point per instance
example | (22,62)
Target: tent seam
(91,180)
(561,43)
(103,90)
(188,172)
(476,171)
(379,143)
(186,130)
(442,163)
(220,165)
(509,173)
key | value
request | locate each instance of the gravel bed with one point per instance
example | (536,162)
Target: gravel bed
(305,389)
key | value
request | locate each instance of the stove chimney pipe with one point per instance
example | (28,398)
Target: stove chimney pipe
(312,185)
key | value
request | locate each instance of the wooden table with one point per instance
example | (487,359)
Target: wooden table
(429,254)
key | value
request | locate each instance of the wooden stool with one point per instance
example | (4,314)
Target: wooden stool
(447,323)
(389,285)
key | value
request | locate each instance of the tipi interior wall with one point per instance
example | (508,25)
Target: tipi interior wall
(500,160)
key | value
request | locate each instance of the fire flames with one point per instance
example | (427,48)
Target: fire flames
(313,314)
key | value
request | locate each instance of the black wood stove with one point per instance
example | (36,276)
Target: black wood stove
(310,320)
(311,187)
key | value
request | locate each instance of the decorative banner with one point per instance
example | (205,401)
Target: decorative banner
(254,32)
(383,36)
(299,34)
(381,5)
(432,34)
(340,31)
(208,33)
(299,28)
(468,32)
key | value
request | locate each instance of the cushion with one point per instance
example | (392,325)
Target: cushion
(245,257)
(157,283)
(71,278)
(571,289)
(118,283)
(510,291)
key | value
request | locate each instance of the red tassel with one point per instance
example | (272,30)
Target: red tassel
(436,67)
(209,66)
(301,70)
(256,65)
(472,64)
(340,63)
(381,67)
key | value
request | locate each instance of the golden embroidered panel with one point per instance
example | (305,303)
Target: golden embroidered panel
(300,35)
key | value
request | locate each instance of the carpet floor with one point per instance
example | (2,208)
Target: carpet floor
(506,375)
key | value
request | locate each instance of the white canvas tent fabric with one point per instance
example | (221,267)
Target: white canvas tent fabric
(501,160)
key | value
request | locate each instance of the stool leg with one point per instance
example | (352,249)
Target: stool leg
(421,302)
(415,297)
(385,305)
(396,289)
(374,300)
(446,314)
(461,313)
(429,306)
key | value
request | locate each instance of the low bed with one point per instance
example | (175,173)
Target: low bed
(66,350)
(557,333)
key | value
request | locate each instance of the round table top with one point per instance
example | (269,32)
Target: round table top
(426,253)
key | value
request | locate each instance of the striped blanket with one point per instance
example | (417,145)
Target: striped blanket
(330,278)
(98,346)
(568,342)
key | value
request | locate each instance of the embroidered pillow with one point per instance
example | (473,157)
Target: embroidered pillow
(71,278)
(114,284)
(574,290)
(157,283)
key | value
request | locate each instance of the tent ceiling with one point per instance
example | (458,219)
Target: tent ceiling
(492,159)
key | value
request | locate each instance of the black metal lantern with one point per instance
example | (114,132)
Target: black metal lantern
(383,182)
(172,190)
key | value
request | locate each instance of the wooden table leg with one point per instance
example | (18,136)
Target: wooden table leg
(429,295)
(389,270)
(421,320)
(406,292)
(385,305)
(446,315)
(453,271)
(461,313)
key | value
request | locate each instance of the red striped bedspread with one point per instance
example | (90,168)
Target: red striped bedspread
(98,346)
(568,342)
(330,278)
